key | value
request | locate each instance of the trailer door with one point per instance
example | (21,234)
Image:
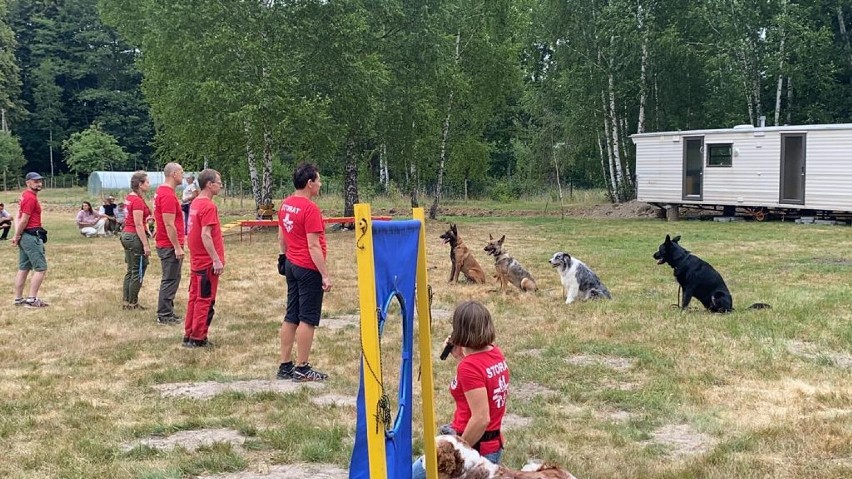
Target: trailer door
(793,168)
(693,168)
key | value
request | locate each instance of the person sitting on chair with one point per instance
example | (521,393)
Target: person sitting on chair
(89,222)
(5,221)
(120,216)
(107,212)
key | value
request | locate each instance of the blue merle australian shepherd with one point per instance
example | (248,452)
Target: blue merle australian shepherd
(578,281)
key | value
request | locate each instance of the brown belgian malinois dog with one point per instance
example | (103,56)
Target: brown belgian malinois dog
(462,259)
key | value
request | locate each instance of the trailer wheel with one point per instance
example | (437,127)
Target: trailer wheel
(759,214)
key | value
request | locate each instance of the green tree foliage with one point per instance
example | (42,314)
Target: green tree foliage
(94,150)
(76,71)
(11,154)
(445,95)
(10,80)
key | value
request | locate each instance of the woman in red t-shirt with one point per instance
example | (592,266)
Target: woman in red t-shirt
(481,386)
(134,239)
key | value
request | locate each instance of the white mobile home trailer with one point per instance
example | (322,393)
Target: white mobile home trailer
(786,168)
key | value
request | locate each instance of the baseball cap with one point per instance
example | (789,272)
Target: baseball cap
(110,197)
(33,176)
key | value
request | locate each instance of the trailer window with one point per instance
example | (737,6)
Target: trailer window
(720,154)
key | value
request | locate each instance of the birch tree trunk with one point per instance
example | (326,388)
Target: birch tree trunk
(255,181)
(656,104)
(755,82)
(780,84)
(789,101)
(643,73)
(445,131)
(841,22)
(616,151)
(604,164)
(266,190)
(609,153)
(384,178)
(351,180)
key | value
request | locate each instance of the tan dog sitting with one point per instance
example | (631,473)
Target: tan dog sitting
(462,259)
(509,270)
(457,460)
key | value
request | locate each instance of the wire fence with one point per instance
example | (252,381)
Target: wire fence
(16,182)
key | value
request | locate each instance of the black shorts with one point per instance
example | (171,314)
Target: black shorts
(304,295)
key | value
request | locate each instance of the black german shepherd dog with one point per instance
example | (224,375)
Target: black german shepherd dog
(697,278)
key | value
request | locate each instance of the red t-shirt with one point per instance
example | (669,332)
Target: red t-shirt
(166,201)
(132,203)
(29,205)
(203,212)
(488,370)
(297,217)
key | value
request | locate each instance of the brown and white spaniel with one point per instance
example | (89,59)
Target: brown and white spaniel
(457,460)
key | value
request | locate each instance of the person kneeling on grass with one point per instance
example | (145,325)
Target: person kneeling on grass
(481,386)
(90,223)
(5,222)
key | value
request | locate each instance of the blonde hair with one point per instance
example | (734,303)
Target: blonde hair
(472,326)
(137,179)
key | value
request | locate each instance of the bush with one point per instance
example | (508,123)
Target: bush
(507,189)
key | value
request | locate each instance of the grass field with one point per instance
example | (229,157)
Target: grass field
(624,389)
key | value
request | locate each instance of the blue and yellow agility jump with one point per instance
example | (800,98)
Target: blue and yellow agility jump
(391,258)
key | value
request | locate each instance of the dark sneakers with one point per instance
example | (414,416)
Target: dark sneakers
(168,319)
(285,370)
(196,343)
(306,373)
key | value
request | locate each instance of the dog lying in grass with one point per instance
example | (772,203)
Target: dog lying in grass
(697,278)
(578,280)
(509,270)
(462,259)
(457,460)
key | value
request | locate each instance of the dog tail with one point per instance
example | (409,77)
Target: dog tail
(759,306)
(600,293)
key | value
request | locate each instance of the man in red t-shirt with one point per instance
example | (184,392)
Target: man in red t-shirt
(303,261)
(30,238)
(207,259)
(169,236)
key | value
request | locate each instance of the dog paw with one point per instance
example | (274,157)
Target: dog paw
(675,306)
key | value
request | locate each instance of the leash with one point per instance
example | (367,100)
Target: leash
(383,411)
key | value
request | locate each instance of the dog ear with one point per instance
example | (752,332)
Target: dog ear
(676,239)
(490,238)
(668,239)
(453,227)
(502,239)
(450,461)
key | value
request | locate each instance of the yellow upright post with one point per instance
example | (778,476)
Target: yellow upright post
(370,339)
(425,335)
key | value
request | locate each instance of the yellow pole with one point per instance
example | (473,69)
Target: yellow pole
(425,339)
(370,339)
